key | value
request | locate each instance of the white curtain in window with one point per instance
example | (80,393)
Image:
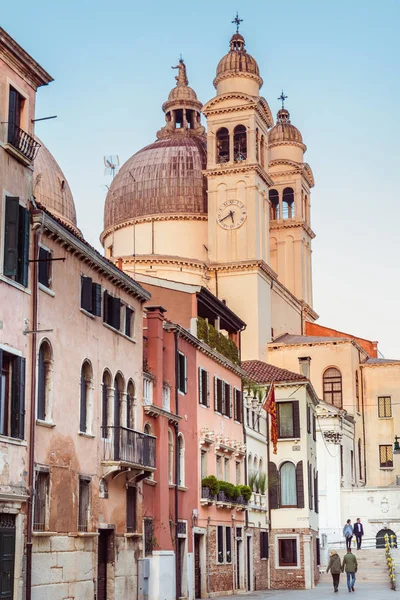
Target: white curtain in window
(288,484)
(286,419)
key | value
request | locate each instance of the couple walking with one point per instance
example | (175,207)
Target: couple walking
(349,531)
(336,567)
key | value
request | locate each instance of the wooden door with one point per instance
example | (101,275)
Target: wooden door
(197,567)
(7,556)
(102,561)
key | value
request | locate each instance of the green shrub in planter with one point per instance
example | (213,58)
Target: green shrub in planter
(212,483)
(230,490)
(245,492)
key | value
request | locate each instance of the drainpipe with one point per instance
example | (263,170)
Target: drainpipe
(269,505)
(177,561)
(363,423)
(208,555)
(32,422)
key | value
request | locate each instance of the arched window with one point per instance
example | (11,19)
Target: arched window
(44,382)
(119,387)
(332,387)
(86,397)
(274,202)
(287,477)
(239,143)
(360,470)
(170,457)
(147,429)
(288,203)
(181,456)
(222,145)
(130,405)
(105,413)
(262,151)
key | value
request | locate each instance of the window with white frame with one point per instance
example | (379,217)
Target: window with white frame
(45,270)
(16,241)
(44,385)
(224,544)
(181,458)
(41,498)
(287,552)
(170,457)
(129,322)
(84,502)
(204,387)
(203,464)
(182,374)
(147,391)
(166,397)
(12,395)
(219,467)
(130,405)
(86,385)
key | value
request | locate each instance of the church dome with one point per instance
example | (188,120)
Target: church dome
(284,131)
(166,177)
(163,178)
(237,62)
(51,188)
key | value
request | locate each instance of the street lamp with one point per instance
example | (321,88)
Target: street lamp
(396,445)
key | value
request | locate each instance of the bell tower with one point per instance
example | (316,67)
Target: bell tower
(238,119)
(289,196)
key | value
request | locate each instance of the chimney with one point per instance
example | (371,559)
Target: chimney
(304,364)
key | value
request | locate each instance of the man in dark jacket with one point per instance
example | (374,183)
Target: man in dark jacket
(350,564)
(358,531)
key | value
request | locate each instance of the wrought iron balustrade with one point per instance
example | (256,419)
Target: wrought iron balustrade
(129,446)
(22,141)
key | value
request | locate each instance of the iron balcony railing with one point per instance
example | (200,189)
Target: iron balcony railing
(130,446)
(22,141)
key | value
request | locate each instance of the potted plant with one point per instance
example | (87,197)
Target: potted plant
(262,482)
(245,493)
(210,487)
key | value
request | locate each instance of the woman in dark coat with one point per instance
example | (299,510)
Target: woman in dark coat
(334,566)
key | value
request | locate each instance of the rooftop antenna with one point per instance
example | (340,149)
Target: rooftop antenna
(111,164)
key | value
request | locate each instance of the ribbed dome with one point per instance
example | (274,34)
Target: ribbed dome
(284,131)
(182,93)
(163,178)
(237,61)
(51,188)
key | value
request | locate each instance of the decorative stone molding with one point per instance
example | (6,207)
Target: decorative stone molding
(334,437)
(150,218)
(289,223)
(242,167)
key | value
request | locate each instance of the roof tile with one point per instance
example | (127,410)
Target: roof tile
(261,372)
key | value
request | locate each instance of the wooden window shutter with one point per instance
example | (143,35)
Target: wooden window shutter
(236,407)
(308,418)
(223,398)
(116,313)
(23,249)
(230,401)
(296,419)
(200,385)
(83,411)
(316,493)
(41,399)
(86,293)
(11,237)
(96,299)
(215,393)
(273,489)
(300,484)
(314,424)
(208,388)
(18,398)
(105,306)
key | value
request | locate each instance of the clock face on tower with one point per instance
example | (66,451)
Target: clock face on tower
(231,214)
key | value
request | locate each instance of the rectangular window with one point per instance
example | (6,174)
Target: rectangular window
(130,509)
(84,503)
(384,406)
(12,395)
(226,469)
(219,467)
(203,464)
(386,456)
(148,537)
(238,407)
(15,108)
(182,373)
(220,544)
(308,418)
(218,399)
(263,544)
(288,420)
(42,481)
(129,322)
(90,296)
(147,391)
(238,473)
(166,397)
(228,544)
(204,391)
(45,267)
(16,241)
(111,310)
(228,400)
(287,552)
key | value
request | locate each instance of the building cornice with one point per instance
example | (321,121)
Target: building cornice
(241,74)
(392,363)
(290,223)
(297,168)
(150,219)
(159,259)
(244,265)
(18,59)
(87,254)
(242,167)
(258,103)
(288,143)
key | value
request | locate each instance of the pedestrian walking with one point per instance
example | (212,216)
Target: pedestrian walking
(348,533)
(358,531)
(335,567)
(350,565)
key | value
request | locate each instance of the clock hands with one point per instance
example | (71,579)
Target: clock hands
(230,214)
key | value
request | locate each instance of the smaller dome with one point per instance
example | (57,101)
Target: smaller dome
(237,61)
(182,93)
(284,131)
(51,188)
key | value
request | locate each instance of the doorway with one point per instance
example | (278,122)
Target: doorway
(103,558)
(197,566)
(239,564)
(380,538)
(249,563)
(7,555)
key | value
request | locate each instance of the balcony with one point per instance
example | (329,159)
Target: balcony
(127,449)
(21,144)
(258,502)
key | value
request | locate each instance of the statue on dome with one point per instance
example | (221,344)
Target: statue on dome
(181,78)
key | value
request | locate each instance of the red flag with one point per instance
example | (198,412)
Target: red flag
(270,407)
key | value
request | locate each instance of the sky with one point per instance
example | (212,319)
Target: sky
(336,61)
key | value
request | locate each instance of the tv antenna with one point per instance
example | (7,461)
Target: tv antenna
(111,164)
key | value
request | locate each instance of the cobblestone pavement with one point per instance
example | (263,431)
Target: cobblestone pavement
(324,591)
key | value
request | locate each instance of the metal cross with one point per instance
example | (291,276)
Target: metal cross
(237,21)
(282,97)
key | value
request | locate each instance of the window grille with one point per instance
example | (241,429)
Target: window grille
(384,406)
